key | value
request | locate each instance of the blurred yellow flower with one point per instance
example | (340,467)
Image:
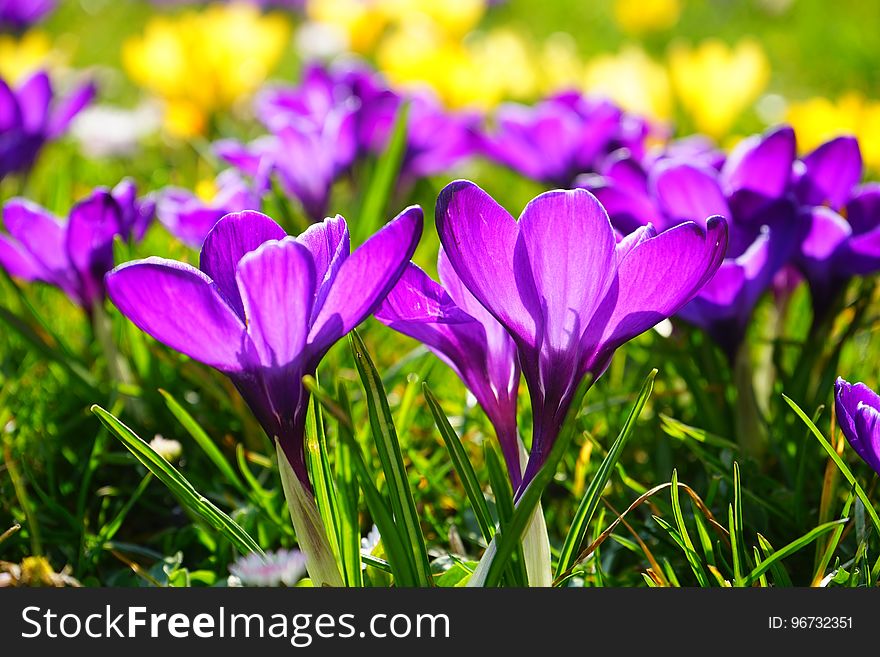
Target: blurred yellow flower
(642,16)
(364,22)
(361,22)
(203,62)
(714,83)
(480,73)
(818,119)
(19,57)
(559,64)
(633,80)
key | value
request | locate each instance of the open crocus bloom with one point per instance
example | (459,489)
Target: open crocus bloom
(565,289)
(858,412)
(456,327)
(73,256)
(30,116)
(264,307)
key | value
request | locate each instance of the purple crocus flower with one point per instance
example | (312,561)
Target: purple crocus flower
(858,413)
(436,139)
(17,15)
(30,116)
(843,220)
(264,307)
(560,137)
(73,256)
(190,218)
(307,156)
(751,188)
(567,292)
(462,333)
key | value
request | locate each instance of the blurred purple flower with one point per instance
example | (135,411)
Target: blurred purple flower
(30,116)
(858,413)
(308,156)
(463,334)
(17,15)
(565,289)
(751,188)
(265,307)
(73,256)
(190,218)
(843,219)
(562,136)
(343,112)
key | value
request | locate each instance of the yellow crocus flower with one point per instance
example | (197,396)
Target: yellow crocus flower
(20,57)
(819,119)
(633,80)
(643,16)
(479,73)
(199,63)
(714,83)
(361,22)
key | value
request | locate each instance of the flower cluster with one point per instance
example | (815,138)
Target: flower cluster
(73,255)
(784,211)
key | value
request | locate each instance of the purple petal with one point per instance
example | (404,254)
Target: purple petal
(863,208)
(832,171)
(329,244)
(10,113)
(659,275)
(570,245)
(277,285)
(761,164)
(688,193)
(868,429)
(68,108)
(365,278)
(43,237)
(34,97)
(18,262)
(479,238)
(827,233)
(180,306)
(627,209)
(856,408)
(229,240)
(91,228)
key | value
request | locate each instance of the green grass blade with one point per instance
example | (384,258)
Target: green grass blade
(590,501)
(791,548)
(691,552)
(318,462)
(347,487)
(833,542)
(737,539)
(500,483)
(388,448)
(178,484)
(399,555)
(462,465)
(780,575)
(204,441)
(384,177)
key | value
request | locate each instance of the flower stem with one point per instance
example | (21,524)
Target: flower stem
(310,532)
(751,432)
